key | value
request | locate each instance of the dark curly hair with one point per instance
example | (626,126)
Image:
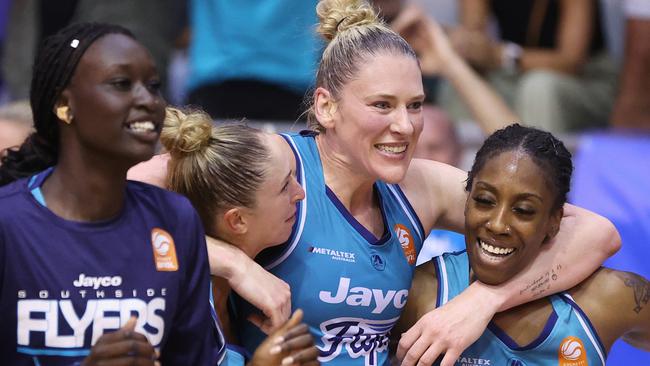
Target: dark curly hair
(545,149)
(54,66)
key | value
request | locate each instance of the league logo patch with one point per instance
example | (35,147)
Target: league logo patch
(406,241)
(572,352)
(164,251)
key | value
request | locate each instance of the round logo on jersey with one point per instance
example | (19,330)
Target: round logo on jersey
(378,262)
(572,352)
(164,251)
(407,243)
(160,242)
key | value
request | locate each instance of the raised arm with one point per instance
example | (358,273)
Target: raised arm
(573,36)
(584,241)
(437,57)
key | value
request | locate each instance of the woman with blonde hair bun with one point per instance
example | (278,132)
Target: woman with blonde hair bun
(241,181)
(351,254)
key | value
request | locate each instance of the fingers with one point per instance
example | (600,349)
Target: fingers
(305,357)
(450,357)
(261,322)
(408,17)
(130,348)
(431,355)
(415,352)
(407,340)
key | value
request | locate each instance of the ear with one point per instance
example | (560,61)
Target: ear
(62,108)
(325,107)
(554,224)
(235,221)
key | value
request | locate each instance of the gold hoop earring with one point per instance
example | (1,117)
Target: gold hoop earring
(63,113)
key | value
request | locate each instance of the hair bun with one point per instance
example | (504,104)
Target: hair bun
(337,16)
(186,132)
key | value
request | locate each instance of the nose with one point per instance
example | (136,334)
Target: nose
(498,221)
(297,192)
(147,98)
(402,123)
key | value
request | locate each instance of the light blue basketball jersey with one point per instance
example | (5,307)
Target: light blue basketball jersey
(568,339)
(351,285)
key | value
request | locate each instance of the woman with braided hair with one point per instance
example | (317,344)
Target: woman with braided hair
(95,269)
(517,189)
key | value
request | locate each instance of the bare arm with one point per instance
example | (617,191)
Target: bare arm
(247,278)
(252,282)
(582,244)
(574,33)
(438,57)
(626,292)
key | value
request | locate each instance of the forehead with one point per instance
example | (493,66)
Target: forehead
(281,155)
(114,50)
(515,170)
(388,73)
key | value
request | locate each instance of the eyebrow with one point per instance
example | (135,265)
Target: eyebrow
(389,96)
(519,196)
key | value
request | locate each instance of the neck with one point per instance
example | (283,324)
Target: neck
(85,191)
(241,241)
(352,188)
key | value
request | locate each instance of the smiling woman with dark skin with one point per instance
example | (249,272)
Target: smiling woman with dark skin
(517,189)
(95,269)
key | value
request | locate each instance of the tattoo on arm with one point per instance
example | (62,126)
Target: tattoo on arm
(640,288)
(539,286)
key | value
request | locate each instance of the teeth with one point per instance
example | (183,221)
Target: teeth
(391,149)
(495,250)
(145,126)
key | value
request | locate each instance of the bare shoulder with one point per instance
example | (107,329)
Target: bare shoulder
(432,188)
(152,171)
(616,302)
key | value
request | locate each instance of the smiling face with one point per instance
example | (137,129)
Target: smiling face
(378,117)
(115,102)
(271,219)
(508,216)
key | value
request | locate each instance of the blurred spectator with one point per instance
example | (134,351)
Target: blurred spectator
(32,20)
(15,124)
(439,141)
(251,58)
(550,65)
(609,176)
(632,108)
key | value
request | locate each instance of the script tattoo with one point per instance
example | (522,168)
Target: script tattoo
(540,285)
(640,288)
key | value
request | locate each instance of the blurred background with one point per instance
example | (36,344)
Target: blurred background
(578,68)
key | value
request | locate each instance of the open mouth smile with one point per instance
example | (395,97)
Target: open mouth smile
(494,250)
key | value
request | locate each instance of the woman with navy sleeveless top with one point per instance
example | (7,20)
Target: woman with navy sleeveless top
(93,268)
(517,188)
(367,207)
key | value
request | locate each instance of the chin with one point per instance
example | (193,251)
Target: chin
(490,277)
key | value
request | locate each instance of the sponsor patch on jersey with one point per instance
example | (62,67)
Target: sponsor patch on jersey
(572,352)
(337,255)
(164,251)
(471,361)
(406,241)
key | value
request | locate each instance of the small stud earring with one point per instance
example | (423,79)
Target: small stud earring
(63,113)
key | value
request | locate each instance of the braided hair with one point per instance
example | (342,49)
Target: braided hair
(543,148)
(54,66)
